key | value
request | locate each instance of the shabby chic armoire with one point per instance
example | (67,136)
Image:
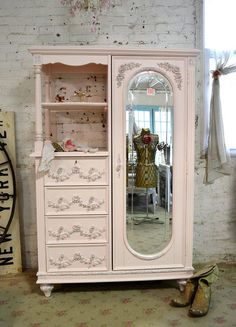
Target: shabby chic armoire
(98,217)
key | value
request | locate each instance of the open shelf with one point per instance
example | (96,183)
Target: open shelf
(76,154)
(81,154)
(65,106)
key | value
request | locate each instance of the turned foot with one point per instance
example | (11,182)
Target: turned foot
(182,284)
(46,289)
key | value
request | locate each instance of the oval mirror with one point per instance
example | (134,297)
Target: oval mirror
(149,148)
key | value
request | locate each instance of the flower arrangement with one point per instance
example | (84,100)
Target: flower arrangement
(216,73)
(69,145)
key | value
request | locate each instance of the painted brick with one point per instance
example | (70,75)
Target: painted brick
(46,29)
(83,38)
(143,38)
(154,23)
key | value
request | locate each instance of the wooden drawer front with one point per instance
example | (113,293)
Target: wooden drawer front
(74,171)
(77,230)
(77,258)
(83,200)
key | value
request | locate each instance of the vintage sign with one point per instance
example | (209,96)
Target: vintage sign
(10,251)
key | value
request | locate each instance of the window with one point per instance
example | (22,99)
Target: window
(162,125)
(219,34)
(220,24)
(156,118)
(143,117)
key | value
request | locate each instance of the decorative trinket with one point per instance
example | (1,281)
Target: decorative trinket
(60,97)
(79,96)
(69,145)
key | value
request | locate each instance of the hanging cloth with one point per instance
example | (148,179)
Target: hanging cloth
(217,156)
(47,156)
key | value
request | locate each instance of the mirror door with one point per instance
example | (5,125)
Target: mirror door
(148,115)
(149,143)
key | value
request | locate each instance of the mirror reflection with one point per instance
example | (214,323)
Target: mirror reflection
(149,148)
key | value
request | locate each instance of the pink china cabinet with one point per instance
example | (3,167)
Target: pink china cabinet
(114,162)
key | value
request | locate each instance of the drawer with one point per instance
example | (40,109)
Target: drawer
(78,171)
(76,230)
(77,258)
(76,200)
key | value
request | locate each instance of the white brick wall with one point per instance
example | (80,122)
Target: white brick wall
(153,23)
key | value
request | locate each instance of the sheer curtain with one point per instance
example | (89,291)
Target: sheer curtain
(215,151)
(219,34)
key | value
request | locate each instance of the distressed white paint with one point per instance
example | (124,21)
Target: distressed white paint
(113,259)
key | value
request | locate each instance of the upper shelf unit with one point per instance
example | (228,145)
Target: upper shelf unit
(75,86)
(73,102)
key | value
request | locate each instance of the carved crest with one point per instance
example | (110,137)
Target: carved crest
(123,69)
(63,204)
(64,262)
(62,233)
(175,70)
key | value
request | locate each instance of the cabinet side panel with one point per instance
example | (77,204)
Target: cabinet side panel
(40,219)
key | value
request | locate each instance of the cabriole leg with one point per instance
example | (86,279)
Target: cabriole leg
(182,284)
(46,289)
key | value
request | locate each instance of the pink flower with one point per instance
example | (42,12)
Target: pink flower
(166,299)
(220,320)
(61,313)
(174,323)
(232,306)
(216,73)
(149,311)
(147,139)
(126,300)
(84,301)
(69,145)
(17,313)
(44,301)
(106,312)
(14,282)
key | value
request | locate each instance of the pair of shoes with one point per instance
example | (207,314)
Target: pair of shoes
(197,292)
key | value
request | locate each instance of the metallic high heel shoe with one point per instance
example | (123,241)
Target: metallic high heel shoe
(202,298)
(185,297)
(201,302)
(211,272)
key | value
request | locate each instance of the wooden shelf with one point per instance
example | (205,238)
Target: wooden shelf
(81,154)
(77,154)
(66,106)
